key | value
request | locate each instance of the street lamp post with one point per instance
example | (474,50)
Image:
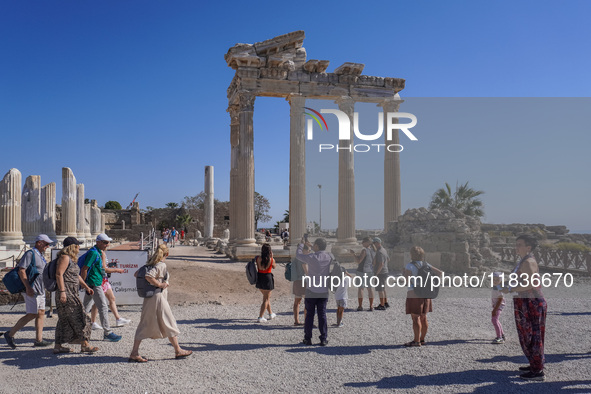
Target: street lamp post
(320,224)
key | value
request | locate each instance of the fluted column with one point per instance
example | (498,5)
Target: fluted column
(68,204)
(244,196)
(48,210)
(11,234)
(297,168)
(31,208)
(392,194)
(95,219)
(346,222)
(80,213)
(87,233)
(233,110)
(209,202)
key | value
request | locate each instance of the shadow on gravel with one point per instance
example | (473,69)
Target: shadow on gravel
(233,347)
(550,358)
(236,324)
(570,313)
(45,358)
(342,350)
(493,381)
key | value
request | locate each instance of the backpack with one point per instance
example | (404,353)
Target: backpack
(144,288)
(82,259)
(427,290)
(49,280)
(288,271)
(251,271)
(336,271)
(13,282)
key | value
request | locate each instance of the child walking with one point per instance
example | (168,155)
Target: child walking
(498,303)
(341,297)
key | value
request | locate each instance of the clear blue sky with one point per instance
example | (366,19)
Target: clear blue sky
(132,96)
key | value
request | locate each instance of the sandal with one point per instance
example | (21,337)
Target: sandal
(138,359)
(183,355)
(422,342)
(412,344)
(89,349)
(61,349)
(298,324)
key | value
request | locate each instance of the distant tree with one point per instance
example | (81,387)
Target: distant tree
(149,208)
(172,205)
(112,205)
(195,202)
(464,199)
(286,216)
(87,201)
(261,209)
(183,220)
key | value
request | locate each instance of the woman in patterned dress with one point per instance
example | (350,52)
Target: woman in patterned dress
(73,325)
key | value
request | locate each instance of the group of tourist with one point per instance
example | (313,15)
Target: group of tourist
(171,236)
(313,261)
(74,324)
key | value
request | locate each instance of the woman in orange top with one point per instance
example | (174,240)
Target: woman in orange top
(265,282)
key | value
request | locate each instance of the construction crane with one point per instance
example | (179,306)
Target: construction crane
(131,203)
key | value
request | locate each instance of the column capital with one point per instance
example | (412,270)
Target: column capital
(233,110)
(391,104)
(346,104)
(296,100)
(246,100)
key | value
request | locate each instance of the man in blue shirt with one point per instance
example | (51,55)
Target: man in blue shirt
(316,264)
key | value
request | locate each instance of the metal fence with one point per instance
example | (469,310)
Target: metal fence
(549,258)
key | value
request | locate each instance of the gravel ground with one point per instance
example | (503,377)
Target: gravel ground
(234,353)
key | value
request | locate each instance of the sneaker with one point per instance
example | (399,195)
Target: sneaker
(272,316)
(498,341)
(537,376)
(370,309)
(324,342)
(41,343)
(96,326)
(503,336)
(307,342)
(261,320)
(525,368)
(380,308)
(112,337)
(9,340)
(359,308)
(387,305)
(121,322)
(341,325)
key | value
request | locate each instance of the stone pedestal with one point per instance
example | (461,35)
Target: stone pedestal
(31,209)
(297,168)
(209,202)
(392,195)
(346,224)
(48,210)
(11,235)
(80,212)
(68,204)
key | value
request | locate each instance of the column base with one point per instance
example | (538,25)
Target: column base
(340,251)
(12,241)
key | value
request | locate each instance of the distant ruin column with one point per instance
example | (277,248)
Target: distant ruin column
(11,235)
(31,208)
(209,202)
(80,213)
(346,222)
(48,210)
(233,110)
(68,204)
(392,195)
(95,219)
(297,168)
(244,182)
(87,233)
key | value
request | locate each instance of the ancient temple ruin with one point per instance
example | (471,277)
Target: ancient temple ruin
(278,68)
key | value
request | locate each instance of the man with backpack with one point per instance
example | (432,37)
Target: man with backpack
(92,271)
(34,294)
(317,267)
(381,271)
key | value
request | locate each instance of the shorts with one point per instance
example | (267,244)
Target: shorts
(265,281)
(417,306)
(106,285)
(382,278)
(342,303)
(298,289)
(364,280)
(34,304)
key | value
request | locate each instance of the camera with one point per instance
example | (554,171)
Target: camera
(306,237)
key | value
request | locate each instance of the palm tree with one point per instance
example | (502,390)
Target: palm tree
(464,199)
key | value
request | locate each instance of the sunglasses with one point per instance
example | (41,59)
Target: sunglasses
(106,242)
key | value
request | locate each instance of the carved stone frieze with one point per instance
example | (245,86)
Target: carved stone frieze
(246,101)
(350,69)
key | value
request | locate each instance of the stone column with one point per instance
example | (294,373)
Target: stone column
(346,222)
(297,168)
(11,234)
(244,182)
(87,233)
(31,208)
(95,219)
(68,204)
(48,210)
(233,110)
(80,213)
(392,195)
(208,231)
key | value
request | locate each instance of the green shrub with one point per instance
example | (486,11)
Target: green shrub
(112,205)
(568,246)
